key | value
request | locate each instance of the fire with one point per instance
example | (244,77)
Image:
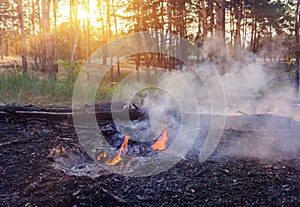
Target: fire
(160,144)
(117,158)
(99,157)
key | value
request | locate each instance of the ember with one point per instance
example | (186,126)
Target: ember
(160,144)
(102,155)
(118,158)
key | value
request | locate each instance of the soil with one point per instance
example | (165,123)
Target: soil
(36,169)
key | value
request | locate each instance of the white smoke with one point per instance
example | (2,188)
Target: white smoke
(259,97)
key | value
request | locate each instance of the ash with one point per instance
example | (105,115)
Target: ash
(255,164)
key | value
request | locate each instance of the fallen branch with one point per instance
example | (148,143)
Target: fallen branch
(241,112)
(120,200)
(20,141)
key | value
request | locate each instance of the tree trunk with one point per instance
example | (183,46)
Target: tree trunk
(71,28)
(74,44)
(55,36)
(1,42)
(41,46)
(103,33)
(220,12)
(204,18)
(88,45)
(162,42)
(254,36)
(35,50)
(1,37)
(137,64)
(48,42)
(169,16)
(108,23)
(238,15)
(223,10)
(116,31)
(245,27)
(297,49)
(270,46)
(212,17)
(23,36)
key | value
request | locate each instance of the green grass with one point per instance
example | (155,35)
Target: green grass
(33,88)
(22,88)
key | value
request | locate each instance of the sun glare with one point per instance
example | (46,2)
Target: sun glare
(93,13)
(82,12)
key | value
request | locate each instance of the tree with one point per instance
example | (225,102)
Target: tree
(203,14)
(74,31)
(238,16)
(47,38)
(1,36)
(297,48)
(220,12)
(23,36)
(55,65)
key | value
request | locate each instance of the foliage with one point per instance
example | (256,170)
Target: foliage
(72,68)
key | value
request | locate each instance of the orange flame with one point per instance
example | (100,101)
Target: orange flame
(99,157)
(117,158)
(160,143)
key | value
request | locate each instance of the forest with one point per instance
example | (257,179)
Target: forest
(45,35)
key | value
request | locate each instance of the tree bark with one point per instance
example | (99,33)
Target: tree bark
(108,23)
(48,42)
(169,16)
(74,45)
(1,42)
(116,31)
(33,21)
(1,37)
(41,46)
(297,49)
(220,12)
(238,15)
(204,18)
(212,17)
(55,65)
(23,36)
(88,47)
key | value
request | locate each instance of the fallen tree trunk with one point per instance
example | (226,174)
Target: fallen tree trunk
(102,112)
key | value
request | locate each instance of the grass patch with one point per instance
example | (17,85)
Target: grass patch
(31,88)
(24,88)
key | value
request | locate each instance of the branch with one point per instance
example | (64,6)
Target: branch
(19,141)
(120,200)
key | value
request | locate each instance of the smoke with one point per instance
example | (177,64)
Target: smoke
(261,121)
(251,88)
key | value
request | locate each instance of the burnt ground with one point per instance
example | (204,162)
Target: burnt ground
(243,175)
